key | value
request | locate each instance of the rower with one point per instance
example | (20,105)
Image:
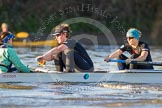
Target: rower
(69,55)
(8,55)
(138,50)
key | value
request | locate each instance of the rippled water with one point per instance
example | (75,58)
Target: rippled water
(116,95)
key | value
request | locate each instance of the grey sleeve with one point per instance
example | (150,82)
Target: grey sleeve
(70,43)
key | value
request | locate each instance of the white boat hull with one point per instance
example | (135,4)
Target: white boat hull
(127,76)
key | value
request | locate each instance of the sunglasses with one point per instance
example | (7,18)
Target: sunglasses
(58,35)
(130,38)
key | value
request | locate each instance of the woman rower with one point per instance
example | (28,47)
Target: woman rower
(139,51)
(8,55)
(69,54)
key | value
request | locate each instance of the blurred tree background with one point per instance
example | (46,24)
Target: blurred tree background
(33,16)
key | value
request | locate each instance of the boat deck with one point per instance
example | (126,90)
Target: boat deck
(129,76)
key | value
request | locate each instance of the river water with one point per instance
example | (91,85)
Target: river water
(116,95)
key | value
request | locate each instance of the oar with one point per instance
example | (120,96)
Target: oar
(147,63)
(22,35)
(139,62)
(120,61)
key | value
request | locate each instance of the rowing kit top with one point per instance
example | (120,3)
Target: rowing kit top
(136,52)
(8,56)
(81,57)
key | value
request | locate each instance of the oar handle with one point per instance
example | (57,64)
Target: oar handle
(41,62)
(120,61)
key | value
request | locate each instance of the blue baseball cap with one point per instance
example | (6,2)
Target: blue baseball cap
(133,33)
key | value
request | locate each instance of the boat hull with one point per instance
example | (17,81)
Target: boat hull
(126,76)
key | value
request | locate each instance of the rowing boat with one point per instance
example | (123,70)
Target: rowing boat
(127,76)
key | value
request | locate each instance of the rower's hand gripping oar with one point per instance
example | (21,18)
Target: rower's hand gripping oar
(138,62)
(40,61)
